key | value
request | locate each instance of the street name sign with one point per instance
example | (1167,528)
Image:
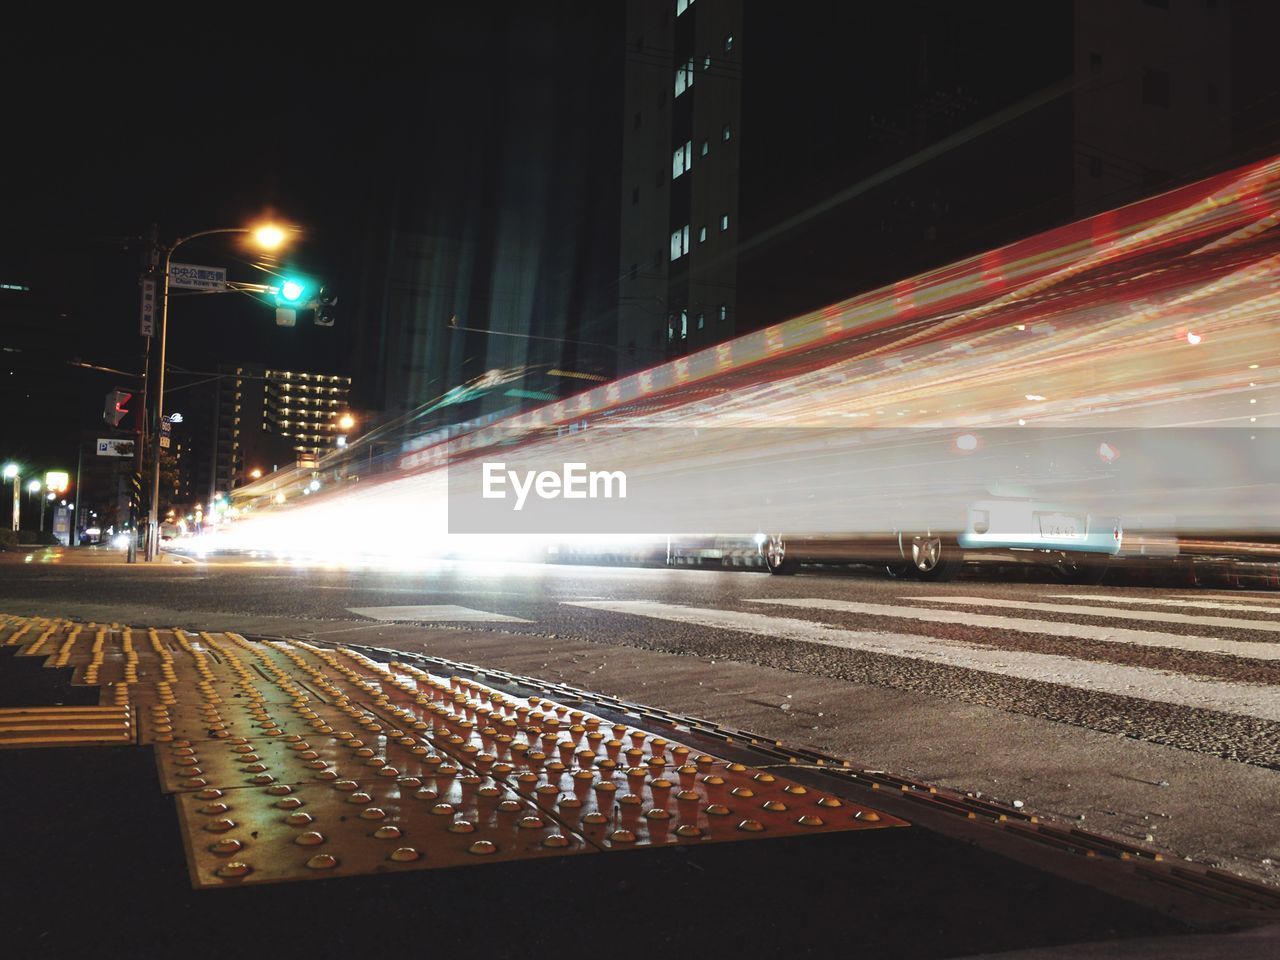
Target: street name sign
(190,276)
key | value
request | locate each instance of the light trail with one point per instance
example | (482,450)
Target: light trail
(1161,314)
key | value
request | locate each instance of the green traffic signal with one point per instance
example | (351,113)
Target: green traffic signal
(292,291)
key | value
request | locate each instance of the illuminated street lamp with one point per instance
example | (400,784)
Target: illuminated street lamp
(266,236)
(346,421)
(11,471)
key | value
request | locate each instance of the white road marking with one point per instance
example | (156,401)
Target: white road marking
(1144,616)
(1160,602)
(1142,683)
(1077,631)
(437,613)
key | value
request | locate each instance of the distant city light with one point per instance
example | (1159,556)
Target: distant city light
(1193,338)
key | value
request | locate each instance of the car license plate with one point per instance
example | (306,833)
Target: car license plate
(1061,525)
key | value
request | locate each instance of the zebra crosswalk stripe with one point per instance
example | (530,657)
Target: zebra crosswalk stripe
(1143,683)
(1197,604)
(1145,616)
(1055,628)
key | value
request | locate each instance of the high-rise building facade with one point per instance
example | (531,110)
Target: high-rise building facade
(269,418)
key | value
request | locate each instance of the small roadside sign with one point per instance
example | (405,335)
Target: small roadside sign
(165,427)
(191,276)
(147,324)
(115,448)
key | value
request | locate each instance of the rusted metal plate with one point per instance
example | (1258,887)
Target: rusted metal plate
(309,831)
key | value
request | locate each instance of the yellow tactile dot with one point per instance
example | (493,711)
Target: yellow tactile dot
(531,823)
(489,792)
(234,869)
(312,838)
(211,794)
(226,846)
(751,826)
(214,808)
(829,802)
(688,830)
(404,855)
(630,800)
(373,813)
(347,785)
(718,810)
(870,815)
(622,836)
(595,819)
(299,819)
(221,825)
(510,806)
(570,803)
(482,848)
(322,861)
(443,809)
(809,820)
(658,813)
(744,792)
(774,806)
(359,797)
(462,826)
(410,783)
(387,832)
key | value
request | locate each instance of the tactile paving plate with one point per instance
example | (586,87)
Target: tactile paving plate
(291,832)
(248,734)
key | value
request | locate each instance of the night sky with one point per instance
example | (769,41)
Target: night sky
(196,128)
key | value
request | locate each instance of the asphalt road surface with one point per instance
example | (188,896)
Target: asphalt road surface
(1147,713)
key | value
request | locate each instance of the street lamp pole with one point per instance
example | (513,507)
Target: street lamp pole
(267,240)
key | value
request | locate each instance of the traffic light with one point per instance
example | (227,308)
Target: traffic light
(294,292)
(326,310)
(115,408)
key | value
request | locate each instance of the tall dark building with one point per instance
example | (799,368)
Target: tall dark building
(777,159)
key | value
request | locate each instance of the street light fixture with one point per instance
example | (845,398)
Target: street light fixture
(11,471)
(267,236)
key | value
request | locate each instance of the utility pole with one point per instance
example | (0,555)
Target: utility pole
(147,330)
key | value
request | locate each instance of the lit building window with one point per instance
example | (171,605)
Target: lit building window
(682,160)
(724,222)
(706,147)
(679,242)
(702,233)
(684,324)
(684,76)
(702,320)
(682,6)
(724,312)
(725,132)
(728,42)
(706,62)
